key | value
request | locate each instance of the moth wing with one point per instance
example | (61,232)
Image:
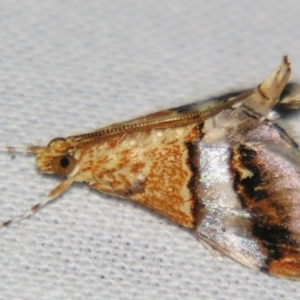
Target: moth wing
(250,201)
(290,97)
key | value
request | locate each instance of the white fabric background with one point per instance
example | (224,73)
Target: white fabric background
(68,67)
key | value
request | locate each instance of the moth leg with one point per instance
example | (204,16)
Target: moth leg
(103,188)
(58,190)
(136,187)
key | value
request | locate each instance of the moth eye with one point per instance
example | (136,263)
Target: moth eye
(55,140)
(63,165)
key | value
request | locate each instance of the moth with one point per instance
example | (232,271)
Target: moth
(224,168)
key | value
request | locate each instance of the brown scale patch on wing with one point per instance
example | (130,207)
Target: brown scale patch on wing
(167,188)
(150,167)
(283,258)
(254,185)
(268,186)
(288,266)
(87,165)
(194,183)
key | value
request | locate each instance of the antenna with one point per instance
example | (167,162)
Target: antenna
(27,150)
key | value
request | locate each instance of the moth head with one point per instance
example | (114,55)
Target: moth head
(56,158)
